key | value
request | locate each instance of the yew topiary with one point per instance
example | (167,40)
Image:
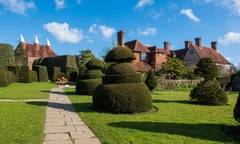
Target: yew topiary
(209,93)
(122,90)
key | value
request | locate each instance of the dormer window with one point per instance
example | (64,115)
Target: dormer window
(143,56)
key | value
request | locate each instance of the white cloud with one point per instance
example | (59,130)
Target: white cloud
(233,5)
(78,1)
(92,28)
(60,4)
(63,33)
(189,13)
(229,38)
(107,32)
(147,31)
(142,3)
(17,6)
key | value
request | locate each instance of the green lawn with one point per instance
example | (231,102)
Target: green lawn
(36,90)
(176,122)
(20,122)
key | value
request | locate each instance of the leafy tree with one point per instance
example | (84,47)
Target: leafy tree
(151,80)
(207,69)
(174,67)
(84,57)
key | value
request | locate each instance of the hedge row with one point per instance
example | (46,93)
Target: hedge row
(176,84)
(7,57)
(6,77)
(122,78)
(87,87)
(41,73)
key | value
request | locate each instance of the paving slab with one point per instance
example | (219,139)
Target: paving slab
(63,125)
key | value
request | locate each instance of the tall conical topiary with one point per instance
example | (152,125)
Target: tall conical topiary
(91,78)
(122,90)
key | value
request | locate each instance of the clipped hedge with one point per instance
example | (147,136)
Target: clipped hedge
(41,73)
(6,77)
(87,87)
(91,74)
(123,98)
(164,84)
(95,64)
(7,57)
(120,54)
(33,77)
(122,78)
(23,74)
(54,73)
(120,68)
(21,60)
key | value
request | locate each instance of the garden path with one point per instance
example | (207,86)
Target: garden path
(63,125)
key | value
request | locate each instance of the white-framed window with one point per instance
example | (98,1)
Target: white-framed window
(143,56)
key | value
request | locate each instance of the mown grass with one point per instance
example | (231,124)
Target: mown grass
(176,122)
(20,122)
(36,90)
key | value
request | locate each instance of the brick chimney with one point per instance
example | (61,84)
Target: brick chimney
(120,35)
(187,44)
(198,41)
(214,45)
(166,45)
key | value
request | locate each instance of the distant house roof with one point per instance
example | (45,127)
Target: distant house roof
(36,49)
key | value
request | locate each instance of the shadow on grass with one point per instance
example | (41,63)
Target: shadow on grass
(172,101)
(200,131)
(75,107)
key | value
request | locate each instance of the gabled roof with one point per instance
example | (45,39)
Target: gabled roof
(211,53)
(37,50)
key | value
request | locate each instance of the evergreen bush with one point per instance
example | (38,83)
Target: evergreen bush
(7,57)
(53,73)
(87,87)
(41,72)
(209,93)
(33,76)
(6,77)
(23,74)
(151,80)
(123,98)
(122,90)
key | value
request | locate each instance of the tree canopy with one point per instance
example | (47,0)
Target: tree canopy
(173,67)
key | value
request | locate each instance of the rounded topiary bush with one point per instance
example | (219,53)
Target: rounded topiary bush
(209,93)
(88,81)
(120,54)
(122,90)
(123,98)
(120,68)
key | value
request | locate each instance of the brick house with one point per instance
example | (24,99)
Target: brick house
(35,50)
(192,53)
(147,57)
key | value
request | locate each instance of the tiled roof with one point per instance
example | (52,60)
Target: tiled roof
(37,50)
(211,53)
(135,45)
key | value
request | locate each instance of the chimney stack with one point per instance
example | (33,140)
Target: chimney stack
(214,45)
(198,41)
(166,45)
(187,44)
(120,35)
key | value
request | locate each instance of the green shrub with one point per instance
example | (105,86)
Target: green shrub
(41,72)
(151,80)
(21,61)
(23,74)
(120,54)
(87,87)
(6,77)
(236,111)
(95,64)
(209,93)
(91,74)
(122,78)
(53,73)
(163,84)
(33,76)
(7,57)
(123,98)
(120,68)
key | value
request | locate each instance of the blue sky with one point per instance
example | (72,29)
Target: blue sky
(74,25)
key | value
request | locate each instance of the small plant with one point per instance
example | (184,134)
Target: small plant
(151,80)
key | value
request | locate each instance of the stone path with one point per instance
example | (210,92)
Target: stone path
(63,125)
